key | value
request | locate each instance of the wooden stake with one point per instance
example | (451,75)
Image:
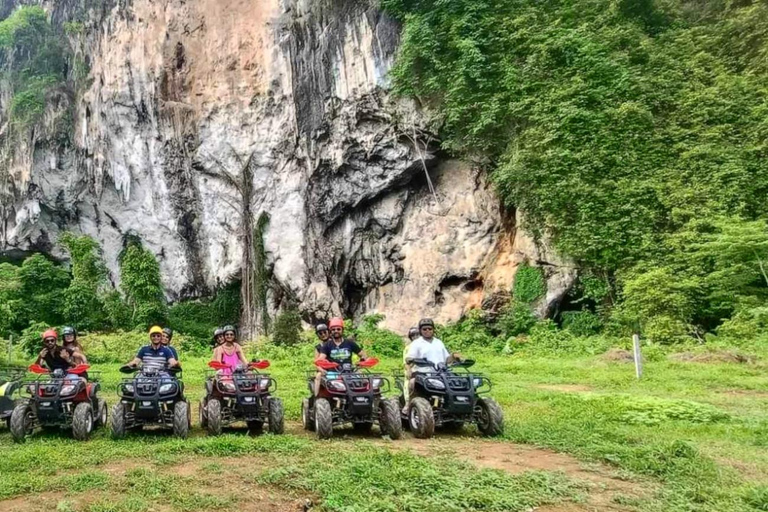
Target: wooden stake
(638,356)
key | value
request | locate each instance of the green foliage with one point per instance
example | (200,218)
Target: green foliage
(83,305)
(516,318)
(582,323)
(198,318)
(631,133)
(376,341)
(30,341)
(654,411)
(287,328)
(35,60)
(141,285)
(471,333)
(529,284)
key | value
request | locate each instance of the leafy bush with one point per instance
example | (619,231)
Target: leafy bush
(141,284)
(653,411)
(666,330)
(529,284)
(377,341)
(582,323)
(471,333)
(198,318)
(287,328)
(516,318)
(545,339)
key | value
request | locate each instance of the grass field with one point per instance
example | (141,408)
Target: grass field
(581,434)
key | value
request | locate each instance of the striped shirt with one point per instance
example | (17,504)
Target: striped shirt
(155,359)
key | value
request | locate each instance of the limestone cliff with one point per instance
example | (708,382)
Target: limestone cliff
(199,116)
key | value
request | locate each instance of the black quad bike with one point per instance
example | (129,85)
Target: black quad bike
(245,395)
(58,401)
(350,394)
(449,396)
(150,398)
(10,384)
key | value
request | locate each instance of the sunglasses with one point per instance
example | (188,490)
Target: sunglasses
(155,335)
(337,329)
(427,328)
(49,340)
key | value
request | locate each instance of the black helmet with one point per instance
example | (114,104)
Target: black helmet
(413,333)
(426,322)
(168,332)
(321,327)
(228,328)
(67,331)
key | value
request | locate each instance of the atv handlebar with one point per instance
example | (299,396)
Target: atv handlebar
(466,363)
(255,365)
(77,370)
(324,364)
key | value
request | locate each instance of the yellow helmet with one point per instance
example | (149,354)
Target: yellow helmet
(155,329)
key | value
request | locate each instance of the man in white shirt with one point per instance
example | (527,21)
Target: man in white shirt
(427,347)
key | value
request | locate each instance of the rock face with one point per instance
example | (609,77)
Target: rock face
(202,115)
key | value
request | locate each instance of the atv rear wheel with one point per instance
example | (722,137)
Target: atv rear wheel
(276,416)
(82,421)
(118,421)
(421,418)
(306,416)
(181,420)
(203,413)
(213,415)
(389,419)
(22,422)
(491,419)
(101,413)
(323,419)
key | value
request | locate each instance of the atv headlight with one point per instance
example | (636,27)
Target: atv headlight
(477,382)
(69,389)
(263,384)
(336,385)
(376,383)
(227,385)
(436,383)
(31,389)
(166,388)
(128,388)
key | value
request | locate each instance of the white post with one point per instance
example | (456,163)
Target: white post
(637,355)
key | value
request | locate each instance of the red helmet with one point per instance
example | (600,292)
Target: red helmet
(336,322)
(51,333)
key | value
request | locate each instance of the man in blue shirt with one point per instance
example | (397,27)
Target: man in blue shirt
(155,355)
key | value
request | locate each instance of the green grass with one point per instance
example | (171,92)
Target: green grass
(695,435)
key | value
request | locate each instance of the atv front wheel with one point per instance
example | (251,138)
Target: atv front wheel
(421,418)
(276,416)
(101,413)
(389,419)
(82,421)
(181,420)
(118,421)
(213,415)
(490,421)
(323,419)
(22,422)
(306,416)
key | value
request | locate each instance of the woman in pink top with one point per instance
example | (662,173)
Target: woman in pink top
(230,352)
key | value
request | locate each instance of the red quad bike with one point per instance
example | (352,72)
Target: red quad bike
(245,395)
(350,394)
(58,401)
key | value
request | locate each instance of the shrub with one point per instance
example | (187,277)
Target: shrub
(377,341)
(529,285)
(516,318)
(582,323)
(666,330)
(287,328)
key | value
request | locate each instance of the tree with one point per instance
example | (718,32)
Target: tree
(83,302)
(142,286)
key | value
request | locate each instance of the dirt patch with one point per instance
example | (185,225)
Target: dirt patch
(724,356)
(617,355)
(565,388)
(604,484)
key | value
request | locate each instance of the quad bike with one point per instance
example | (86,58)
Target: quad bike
(151,397)
(350,394)
(10,383)
(246,395)
(448,396)
(56,400)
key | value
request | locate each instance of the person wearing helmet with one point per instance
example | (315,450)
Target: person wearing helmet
(323,334)
(426,346)
(167,336)
(155,355)
(413,333)
(72,346)
(54,356)
(230,352)
(218,337)
(337,349)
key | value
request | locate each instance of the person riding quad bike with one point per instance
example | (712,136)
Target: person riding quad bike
(441,392)
(72,346)
(342,393)
(413,333)
(155,396)
(218,337)
(167,336)
(10,382)
(61,397)
(322,332)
